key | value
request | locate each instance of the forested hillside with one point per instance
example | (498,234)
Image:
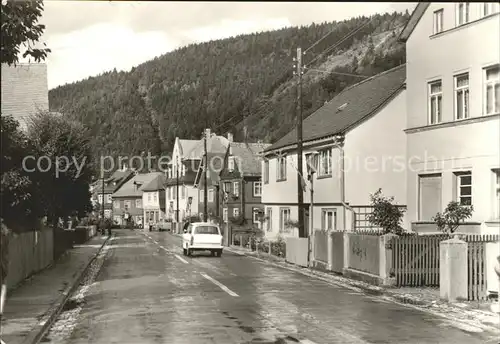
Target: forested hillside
(243,81)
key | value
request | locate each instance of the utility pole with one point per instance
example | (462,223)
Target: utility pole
(300,191)
(177,190)
(205,188)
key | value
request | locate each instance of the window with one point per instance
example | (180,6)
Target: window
(464,188)
(116,204)
(149,196)
(108,198)
(99,198)
(224,214)
(210,195)
(230,164)
(155,196)
(462,96)
(269,219)
(284,218)
(496,191)
(438,21)
(255,215)
(257,189)
(462,13)
(236,188)
(138,203)
(227,187)
(435,102)
(127,204)
(490,8)
(236,212)
(429,196)
(266,171)
(329,219)
(206,230)
(325,166)
(491,90)
(281,170)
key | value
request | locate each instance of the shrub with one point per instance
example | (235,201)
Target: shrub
(278,247)
(386,214)
(454,214)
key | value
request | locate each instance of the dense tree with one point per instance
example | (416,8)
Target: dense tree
(226,84)
(20,28)
(62,178)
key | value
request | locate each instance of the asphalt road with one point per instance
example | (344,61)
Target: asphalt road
(143,290)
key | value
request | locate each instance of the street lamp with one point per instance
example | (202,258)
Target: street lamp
(312,163)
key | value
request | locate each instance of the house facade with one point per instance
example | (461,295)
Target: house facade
(111,184)
(179,184)
(216,150)
(127,200)
(24,91)
(241,185)
(359,143)
(453,112)
(153,200)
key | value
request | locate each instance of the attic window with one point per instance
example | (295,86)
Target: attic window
(341,107)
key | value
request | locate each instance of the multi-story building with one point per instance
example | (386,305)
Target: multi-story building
(111,184)
(453,112)
(216,150)
(153,199)
(24,91)
(359,143)
(181,174)
(127,200)
(242,185)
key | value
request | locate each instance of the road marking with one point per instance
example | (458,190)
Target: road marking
(220,285)
(181,259)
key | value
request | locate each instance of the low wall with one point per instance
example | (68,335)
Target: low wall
(297,251)
(364,253)
(29,252)
(320,246)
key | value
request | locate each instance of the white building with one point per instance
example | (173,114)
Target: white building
(360,142)
(453,112)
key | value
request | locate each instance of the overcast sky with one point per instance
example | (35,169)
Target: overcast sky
(90,37)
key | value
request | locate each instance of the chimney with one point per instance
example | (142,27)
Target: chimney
(230,137)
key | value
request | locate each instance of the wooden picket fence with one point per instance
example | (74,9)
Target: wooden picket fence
(416,260)
(476,264)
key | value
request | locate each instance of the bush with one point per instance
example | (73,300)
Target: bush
(278,247)
(454,214)
(386,214)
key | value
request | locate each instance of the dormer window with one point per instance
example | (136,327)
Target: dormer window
(230,164)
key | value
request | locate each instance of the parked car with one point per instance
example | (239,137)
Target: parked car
(163,225)
(202,236)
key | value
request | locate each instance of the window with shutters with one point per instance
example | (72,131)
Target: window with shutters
(429,196)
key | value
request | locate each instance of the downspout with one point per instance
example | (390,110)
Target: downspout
(340,145)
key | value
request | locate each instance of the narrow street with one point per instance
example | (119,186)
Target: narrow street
(146,291)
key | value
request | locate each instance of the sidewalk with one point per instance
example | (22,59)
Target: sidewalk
(34,305)
(427,299)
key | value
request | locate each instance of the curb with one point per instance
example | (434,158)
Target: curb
(36,335)
(369,289)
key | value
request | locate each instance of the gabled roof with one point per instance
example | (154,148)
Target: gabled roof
(133,187)
(215,163)
(187,146)
(249,162)
(156,184)
(413,21)
(351,106)
(113,183)
(215,144)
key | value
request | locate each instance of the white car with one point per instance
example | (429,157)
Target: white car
(202,236)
